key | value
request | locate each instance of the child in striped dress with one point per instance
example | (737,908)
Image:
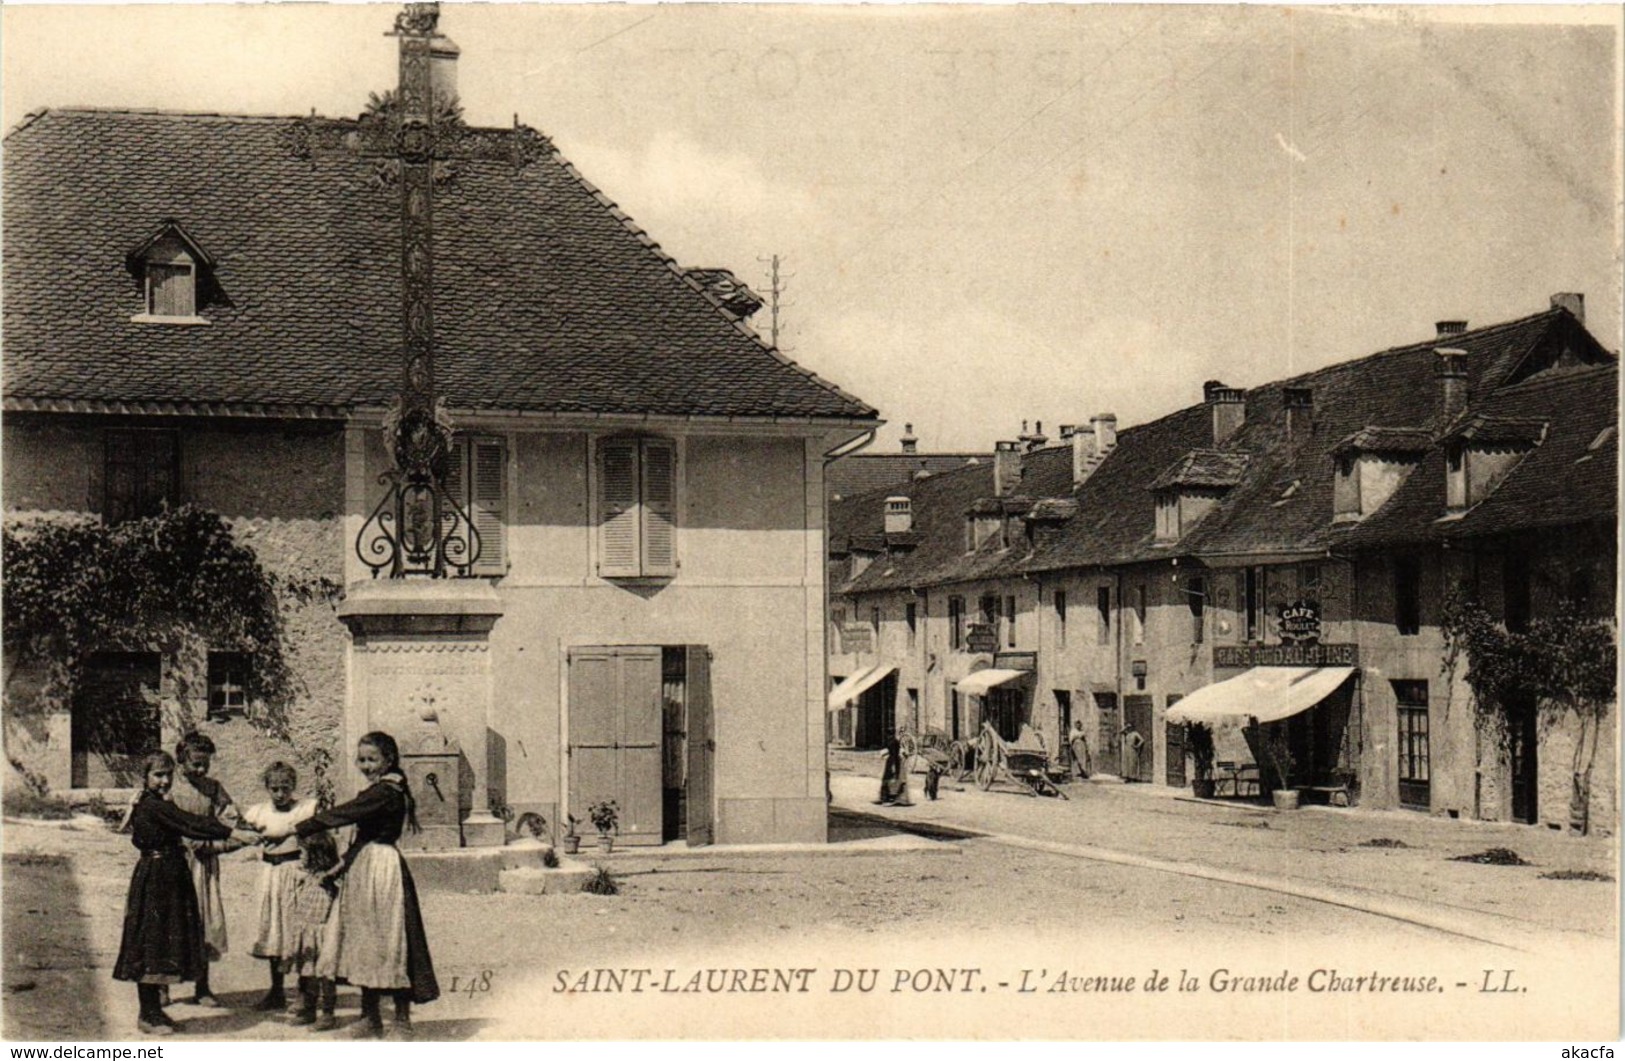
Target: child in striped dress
(197,793)
(309,902)
(278,815)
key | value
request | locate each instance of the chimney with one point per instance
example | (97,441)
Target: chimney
(1451,368)
(1449,328)
(1006,467)
(1300,410)
(910,443)
(1083,453)
(1105,426)
(443,69)
(899,515)
(1229,405)
(1573,301)
(1037,439)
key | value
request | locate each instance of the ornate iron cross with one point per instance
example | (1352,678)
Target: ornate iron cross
(418,528)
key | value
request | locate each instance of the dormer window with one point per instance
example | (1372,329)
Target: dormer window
(171,267)
(1371,464)
(1481,453)
(1193,487)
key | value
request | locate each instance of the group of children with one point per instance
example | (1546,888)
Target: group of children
(322,919)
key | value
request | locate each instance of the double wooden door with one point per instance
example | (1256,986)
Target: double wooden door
(620,735)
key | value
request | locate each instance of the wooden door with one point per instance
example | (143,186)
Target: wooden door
(114,719)
(1108,745)
(702,746)
(616,718)
(1176,733)
(1137,713)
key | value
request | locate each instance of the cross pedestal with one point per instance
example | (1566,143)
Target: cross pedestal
(421,672)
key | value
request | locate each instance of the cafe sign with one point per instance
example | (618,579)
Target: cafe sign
(1307,655)
(857,638)
(1299,622)
(981,637)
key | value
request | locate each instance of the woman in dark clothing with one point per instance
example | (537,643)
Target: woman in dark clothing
(374,936)
(892,782)
(163,930)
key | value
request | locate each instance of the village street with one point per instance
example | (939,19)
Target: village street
(1008,894)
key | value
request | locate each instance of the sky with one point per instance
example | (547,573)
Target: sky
(986,215)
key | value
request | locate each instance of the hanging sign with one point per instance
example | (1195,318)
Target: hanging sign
(1300,622)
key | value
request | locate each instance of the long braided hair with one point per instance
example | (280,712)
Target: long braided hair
(392,759)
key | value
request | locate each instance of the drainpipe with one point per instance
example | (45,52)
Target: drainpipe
(1117,667)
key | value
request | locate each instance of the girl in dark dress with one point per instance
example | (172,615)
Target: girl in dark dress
(163,929)
(374,937)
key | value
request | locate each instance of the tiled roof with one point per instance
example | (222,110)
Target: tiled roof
(548,298)
(864,473)
(1571,477)
(1282,469)
(1386,440)
(1203,468)
(1499,431)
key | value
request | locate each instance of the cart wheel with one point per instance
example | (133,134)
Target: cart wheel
(957,766)
(984,775)
(908,745)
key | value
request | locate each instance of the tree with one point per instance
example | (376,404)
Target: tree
(1565,664)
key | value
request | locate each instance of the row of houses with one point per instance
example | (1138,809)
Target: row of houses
(1283,552)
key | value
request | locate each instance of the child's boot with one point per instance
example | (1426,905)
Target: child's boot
(327,995)
(400,1029)
(152,1019)
(371,1025)
(276,998)
(306,1014)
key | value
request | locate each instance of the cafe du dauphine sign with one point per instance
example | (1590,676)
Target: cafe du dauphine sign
(1298,624)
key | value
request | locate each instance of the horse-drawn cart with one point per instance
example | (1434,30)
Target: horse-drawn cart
(1024,761)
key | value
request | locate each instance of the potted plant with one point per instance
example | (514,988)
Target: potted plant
(571,839)
(1200,742)
(605,815)
(1278,753)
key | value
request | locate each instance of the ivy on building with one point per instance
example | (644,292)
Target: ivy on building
(165,584)
(1562,666)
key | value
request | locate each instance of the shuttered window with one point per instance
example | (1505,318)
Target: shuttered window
(170,290)
(477,479)
(637,507)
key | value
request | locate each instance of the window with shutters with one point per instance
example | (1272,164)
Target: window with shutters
(637,507)
(142,474)
(477,480)
(170,266)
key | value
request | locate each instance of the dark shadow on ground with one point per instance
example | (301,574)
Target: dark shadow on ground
(846,826)
(48,961)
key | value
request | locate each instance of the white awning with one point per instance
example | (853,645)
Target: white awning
(979,683)
(855,686)
(1267,694)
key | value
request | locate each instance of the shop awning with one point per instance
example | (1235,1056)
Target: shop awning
(855,686)
(979,683)
(1267,694)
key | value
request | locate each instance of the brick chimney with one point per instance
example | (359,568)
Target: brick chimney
(1084,454)
(1229,406)
(910,443)
(899,515)
(1034,440)
(1006,467)
(1573,301)
(443,68)
(1299,403)
(1451,368)
(1105,426)
(1448,328)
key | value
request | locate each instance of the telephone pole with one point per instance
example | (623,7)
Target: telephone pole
(775,295)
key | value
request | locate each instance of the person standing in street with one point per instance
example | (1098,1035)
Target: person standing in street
(1133,746)
(1077,742)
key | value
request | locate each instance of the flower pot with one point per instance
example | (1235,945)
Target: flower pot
(1204,787)
(572,844)
(1285,798)
(606,843)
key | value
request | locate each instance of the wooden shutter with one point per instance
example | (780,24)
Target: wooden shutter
(171,290)
(594,718)
(615,738)
(642,719)
(618,518)
(701,745)
(487,496)
(659,509)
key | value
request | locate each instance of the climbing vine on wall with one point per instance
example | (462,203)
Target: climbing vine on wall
(164,584)
(1564,664)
